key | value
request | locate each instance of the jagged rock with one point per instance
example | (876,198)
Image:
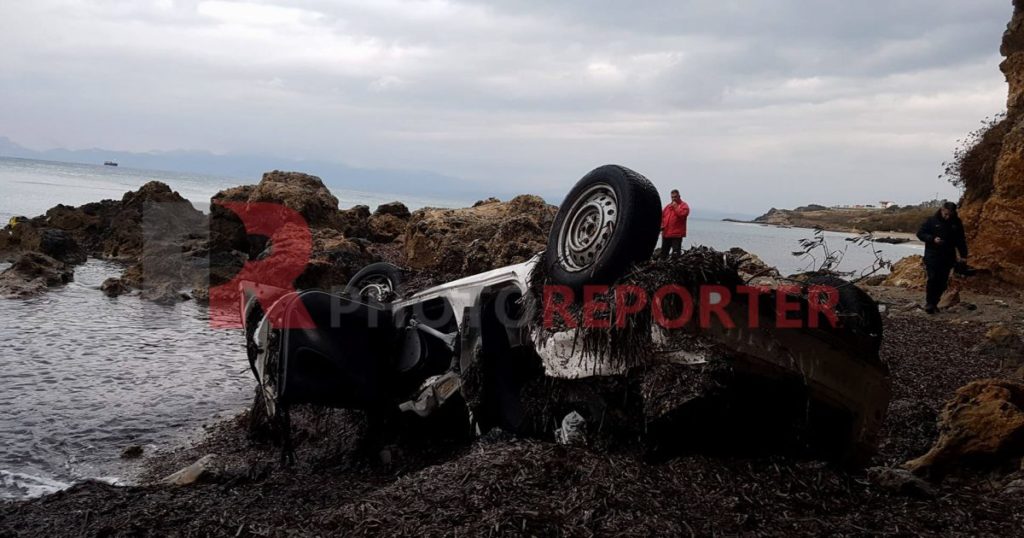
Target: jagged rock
(57,244)
(993,201)
(113,287)
(27,236)
(226,229)
(457,242)
(385,228)
(354,222)
(900,481)
(204,468)
(396,209)
(983,422)
(31,274)
(300,192)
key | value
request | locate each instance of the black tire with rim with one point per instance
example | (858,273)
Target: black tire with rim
(858,313)
(379,282)
(609,221)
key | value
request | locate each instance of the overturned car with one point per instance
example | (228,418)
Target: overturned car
(680,352)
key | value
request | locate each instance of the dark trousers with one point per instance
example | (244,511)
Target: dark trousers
(938,281)
(670,244)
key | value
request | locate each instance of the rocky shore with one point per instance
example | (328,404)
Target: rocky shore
(435,484)
(950,454)
(892,225)
(956,421)
(172,252)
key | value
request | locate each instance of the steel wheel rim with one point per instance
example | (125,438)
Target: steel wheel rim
(588,227)
(378,288)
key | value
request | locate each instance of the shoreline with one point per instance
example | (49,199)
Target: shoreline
(890,237)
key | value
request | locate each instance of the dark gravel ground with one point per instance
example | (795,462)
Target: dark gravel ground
(502,485)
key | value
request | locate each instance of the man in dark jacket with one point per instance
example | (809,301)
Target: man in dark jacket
(943,237)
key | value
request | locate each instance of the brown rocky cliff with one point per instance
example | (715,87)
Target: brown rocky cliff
(993,202)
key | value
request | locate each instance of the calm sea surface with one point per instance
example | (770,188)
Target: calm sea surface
(85,376)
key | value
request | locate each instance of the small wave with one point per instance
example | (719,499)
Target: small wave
(24,486)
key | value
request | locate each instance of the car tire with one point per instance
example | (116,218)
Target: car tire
(378,282)
(609,221)
(857,311)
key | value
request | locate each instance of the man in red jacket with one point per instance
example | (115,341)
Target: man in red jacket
(673,225)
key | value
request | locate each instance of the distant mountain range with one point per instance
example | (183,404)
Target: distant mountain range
(249,168)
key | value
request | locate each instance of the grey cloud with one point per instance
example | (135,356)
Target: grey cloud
(817,95)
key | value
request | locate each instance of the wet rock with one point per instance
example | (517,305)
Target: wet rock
(458,242)
(31,274)
(203,469)
(57,244)
(984,422)
(131,452)
(164,293)
(899,481)
(114,287)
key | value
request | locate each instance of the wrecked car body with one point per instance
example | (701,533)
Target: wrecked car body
(484,339)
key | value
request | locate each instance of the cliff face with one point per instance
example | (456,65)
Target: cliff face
(993,202)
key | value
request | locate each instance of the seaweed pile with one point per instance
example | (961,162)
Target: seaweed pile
(629,343)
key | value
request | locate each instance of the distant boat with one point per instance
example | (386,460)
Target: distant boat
(109,163)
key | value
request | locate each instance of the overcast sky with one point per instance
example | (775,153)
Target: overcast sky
(742,105)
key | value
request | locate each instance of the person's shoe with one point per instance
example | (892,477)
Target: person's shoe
(931,309)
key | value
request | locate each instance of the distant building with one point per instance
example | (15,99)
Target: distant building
(885,204)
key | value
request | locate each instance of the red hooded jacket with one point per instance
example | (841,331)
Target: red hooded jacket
(673,220)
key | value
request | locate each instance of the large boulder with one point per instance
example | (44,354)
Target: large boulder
(993,201)
(397,209)
(31,274)
(457,242)
(300,192)
(984,422)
